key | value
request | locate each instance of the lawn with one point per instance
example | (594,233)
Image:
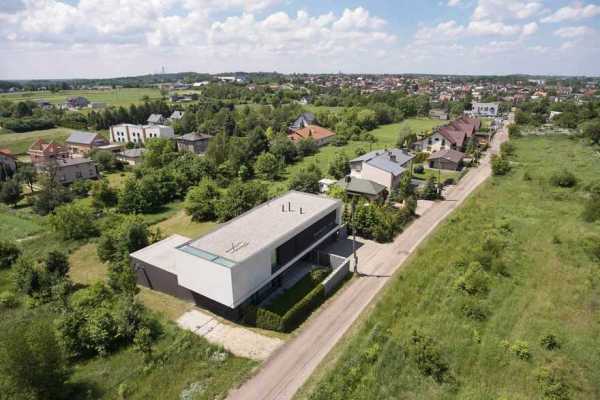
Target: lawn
(488,344)
(114,97)
(439,174)
(18,143)
(18,225)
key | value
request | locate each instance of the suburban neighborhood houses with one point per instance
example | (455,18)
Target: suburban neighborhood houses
(299,236)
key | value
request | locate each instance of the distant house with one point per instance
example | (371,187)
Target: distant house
(194,142)
(446,159)
(131,156)
(304,120)
(485,109)
(176,115)
(384,167)
(454,135)
(320,135)
(139,134)
(363,188)
(42,152)
(68,170)
(76,102)
(325,184)
(96,105)
(8,164)
(82,143)
(156,119)
(44,104)
(438,114)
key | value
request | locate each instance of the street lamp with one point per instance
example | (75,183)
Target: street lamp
(352,207)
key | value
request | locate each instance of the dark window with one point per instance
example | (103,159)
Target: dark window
(299,243)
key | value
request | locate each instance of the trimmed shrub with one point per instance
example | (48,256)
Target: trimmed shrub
(419,169)
(297,314)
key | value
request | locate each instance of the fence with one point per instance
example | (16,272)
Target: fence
(337,276)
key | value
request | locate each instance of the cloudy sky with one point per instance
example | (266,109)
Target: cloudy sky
(106,38)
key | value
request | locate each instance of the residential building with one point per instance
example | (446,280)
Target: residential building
(325,184)
(485,109)
(42,152)
(446,159)
(156,119)
(176,116)
(68,170)
(8,164)
(139,134)
(82,143)
(320,135)
(304,120)
(131,156)
(243,260)
(194,142)
(354,186)
(438,114)
(384,167)
(454,135)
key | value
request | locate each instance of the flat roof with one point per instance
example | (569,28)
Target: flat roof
(161,254)
(249,233)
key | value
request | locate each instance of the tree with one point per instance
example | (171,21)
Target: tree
(27,175)
(500,165)
(405,137)
(103,196)
(283,148)
(9,252)
(307,179)
(306,147)
(10,192)
(239,198)
(51,194)
(159,153)
(33,364)
(121,236)
(591,130)
(73,221)
(339,166)
(106,160)
(200,201)
(431,191)
(142,342)
(81,188)
(57,264)
(267,166)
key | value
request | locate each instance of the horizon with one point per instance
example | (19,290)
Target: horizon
(85,39)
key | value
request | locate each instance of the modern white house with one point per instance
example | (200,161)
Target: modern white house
(138,134)
(384,167)
(485,109)
(243,260)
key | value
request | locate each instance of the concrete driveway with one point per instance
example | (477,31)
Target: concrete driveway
(287,369)
(239,341)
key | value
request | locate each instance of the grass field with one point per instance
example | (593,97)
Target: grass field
(479,331)
(18,225)
(18,143)
(115,97)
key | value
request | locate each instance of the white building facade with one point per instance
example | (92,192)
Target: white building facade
(485,109)
(138,134)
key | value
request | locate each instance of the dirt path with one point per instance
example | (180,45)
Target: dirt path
(288,368)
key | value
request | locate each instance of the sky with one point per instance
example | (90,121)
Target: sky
(48,39)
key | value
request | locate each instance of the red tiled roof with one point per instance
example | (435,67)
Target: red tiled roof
(456,137)
(311,131)
(6,152)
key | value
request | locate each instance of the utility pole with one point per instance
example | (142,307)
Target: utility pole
(352,207)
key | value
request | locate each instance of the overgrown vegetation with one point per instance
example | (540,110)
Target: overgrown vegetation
(500,301)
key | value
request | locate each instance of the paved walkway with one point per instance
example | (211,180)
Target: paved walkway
(239,341)
(292,364)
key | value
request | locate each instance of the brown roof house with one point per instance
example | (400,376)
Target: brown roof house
(194,142)
(446,159)
(42,152)
(320,135)
(8,164)
(84,142)
(454,135)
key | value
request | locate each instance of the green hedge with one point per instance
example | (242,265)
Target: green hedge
(297,314)
(262,318)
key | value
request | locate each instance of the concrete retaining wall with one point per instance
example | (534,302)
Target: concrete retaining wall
(337,276)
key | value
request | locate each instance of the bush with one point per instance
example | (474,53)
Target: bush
(8,300)
(474,309)
(520,349)
(9,252)
(563,178)
(507,149)
(73,221)
(428,358)
(297,314)
(200,201)
(553,384)
(500,165)
(419,169)
(550,342)
(474,281)
(81,187)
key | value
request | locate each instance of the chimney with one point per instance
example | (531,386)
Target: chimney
(301,211)
(289,206)
(283,208)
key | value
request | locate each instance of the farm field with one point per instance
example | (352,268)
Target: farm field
(114,97)
(500,303)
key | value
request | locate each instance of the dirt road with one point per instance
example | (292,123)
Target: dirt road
(288,368)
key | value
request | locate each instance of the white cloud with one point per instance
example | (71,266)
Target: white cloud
(359,18)
(487,27)
(444,31)
(453,3)
(574,12)
(569,32)
(506,9)
(529,29)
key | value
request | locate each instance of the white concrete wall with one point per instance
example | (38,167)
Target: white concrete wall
(204,277)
